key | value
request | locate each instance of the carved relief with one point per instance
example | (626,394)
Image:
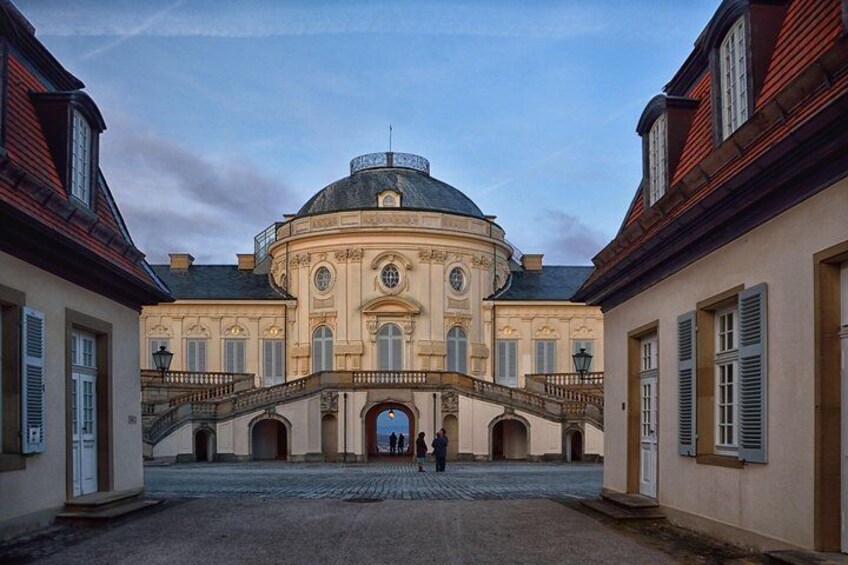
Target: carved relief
(584,332)
(326,222)
(501,275)
(322,319)
(391,219)
(507,331)
(159,331)
(481,261)
(546,332)
(329,402)
(273,331)
(235,330)
(299,260)
(432,256)
(450,403)
(391,257)
(352,254)
(458,319)
(278,271)
(323,302)
(454,223)
(459,304)
(197,330)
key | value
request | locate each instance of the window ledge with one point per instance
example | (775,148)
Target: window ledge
(12,462)
(719,461)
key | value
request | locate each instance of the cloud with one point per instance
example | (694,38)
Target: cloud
(133,32)
(572,242)
(174,199)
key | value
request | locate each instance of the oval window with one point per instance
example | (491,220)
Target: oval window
(390,276)
(457,279)
(323,276)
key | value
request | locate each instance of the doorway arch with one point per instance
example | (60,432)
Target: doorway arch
(330,437)
(451,425)
(509,438)
(370,427)
(573,445)
(269,439)
(204,444)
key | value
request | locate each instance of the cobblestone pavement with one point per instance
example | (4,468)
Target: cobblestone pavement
(469,481)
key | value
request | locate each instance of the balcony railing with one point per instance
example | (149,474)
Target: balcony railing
(569,379)
(193,378)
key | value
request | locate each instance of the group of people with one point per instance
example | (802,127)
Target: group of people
(397,444)
(440,450)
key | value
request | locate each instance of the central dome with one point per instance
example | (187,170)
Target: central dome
(404,173)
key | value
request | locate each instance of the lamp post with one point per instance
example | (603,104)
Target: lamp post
(582,362)
(162,360)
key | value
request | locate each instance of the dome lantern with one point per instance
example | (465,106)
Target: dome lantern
(389,160)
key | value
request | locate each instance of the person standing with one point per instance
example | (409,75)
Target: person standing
(392,444)
(420,451)
(440,451)
(401,445)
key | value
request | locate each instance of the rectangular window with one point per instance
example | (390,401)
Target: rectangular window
(81,159)
(234,351)
(726,386)
(587,344)
(196,355)
(648,353)
(11,382)
(507,362)
(273,361)
(733,78)
(657,160)
(153,346)
(545,356)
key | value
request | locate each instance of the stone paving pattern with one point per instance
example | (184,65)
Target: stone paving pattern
(402,481)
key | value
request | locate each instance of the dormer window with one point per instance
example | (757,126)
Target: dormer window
(658,159)
(733,78)
(81,159)
(388,199)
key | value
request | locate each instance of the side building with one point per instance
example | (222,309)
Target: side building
(387,276)
(72,284)
(725,293)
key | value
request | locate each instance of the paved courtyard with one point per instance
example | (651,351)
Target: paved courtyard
(469,481)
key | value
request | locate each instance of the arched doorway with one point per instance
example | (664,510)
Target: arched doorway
(269,440)
(451,425)
(574,446)
(330,437)
(204,446)
(403,422)
(509,440)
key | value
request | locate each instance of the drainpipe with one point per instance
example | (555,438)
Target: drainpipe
(344,415)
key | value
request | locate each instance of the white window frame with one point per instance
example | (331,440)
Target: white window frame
(322,349)
(81,158)
(457,350)
(726,336)
(508,377)
(545,356)
(648,353)
(733,81)
(658,159)
(273,361)
(196,362)
(235,355)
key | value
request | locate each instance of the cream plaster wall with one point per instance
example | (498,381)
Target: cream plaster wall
(42,485)
(593,440)
(774,499)
(181,441)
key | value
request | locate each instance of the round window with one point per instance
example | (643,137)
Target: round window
(322,278)
(390,276)
(457,279)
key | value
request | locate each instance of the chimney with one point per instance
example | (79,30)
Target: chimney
(246,261)
(531,261)
(180,261)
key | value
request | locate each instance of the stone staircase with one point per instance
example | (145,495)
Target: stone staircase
(103,506)
(625,507)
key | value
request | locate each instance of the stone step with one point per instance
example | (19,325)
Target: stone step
(628,500)
(101,500)
(621,513)
(800,557)
(109,513)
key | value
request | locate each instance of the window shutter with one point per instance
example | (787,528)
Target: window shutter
(279,354)
(328,351)
(686,384)
(500,372)
(550,357)
(512,348)
(753,382)
(317,350)
(228,356)
(33,405)
(201,355)
(462,353)
(240,350)
(540,356)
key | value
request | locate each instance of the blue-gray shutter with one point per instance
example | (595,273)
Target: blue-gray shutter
(501,370)
(201,354)
(753,381)
(32,397)
(686,364)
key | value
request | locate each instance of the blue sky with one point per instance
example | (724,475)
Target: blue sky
(223,116)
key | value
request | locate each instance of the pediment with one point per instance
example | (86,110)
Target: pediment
(391,305)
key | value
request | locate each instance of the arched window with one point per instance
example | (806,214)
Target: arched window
(390,348)
(322,349)
(457,350)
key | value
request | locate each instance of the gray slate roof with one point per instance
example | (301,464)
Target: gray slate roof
(419,191)
(210,282)
(552,283)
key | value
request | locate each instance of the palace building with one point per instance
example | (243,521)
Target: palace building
(387,290)
(725,293)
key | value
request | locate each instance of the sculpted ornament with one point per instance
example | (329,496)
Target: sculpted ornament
(349,254)
(159,331)
(450,403)
(197,330)
(273,331)
(583,331)
(546,332)
(507,331)
(236,330)
(432,255)
(329,402)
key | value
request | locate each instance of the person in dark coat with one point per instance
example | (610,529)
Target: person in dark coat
(392,444)
(420,451)
(401,444)
(440,451)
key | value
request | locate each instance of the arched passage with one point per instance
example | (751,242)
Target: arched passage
(371,437)
(509,439)
(451,425)
(574,445)
(269,440)
(204,445)
(330,437)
